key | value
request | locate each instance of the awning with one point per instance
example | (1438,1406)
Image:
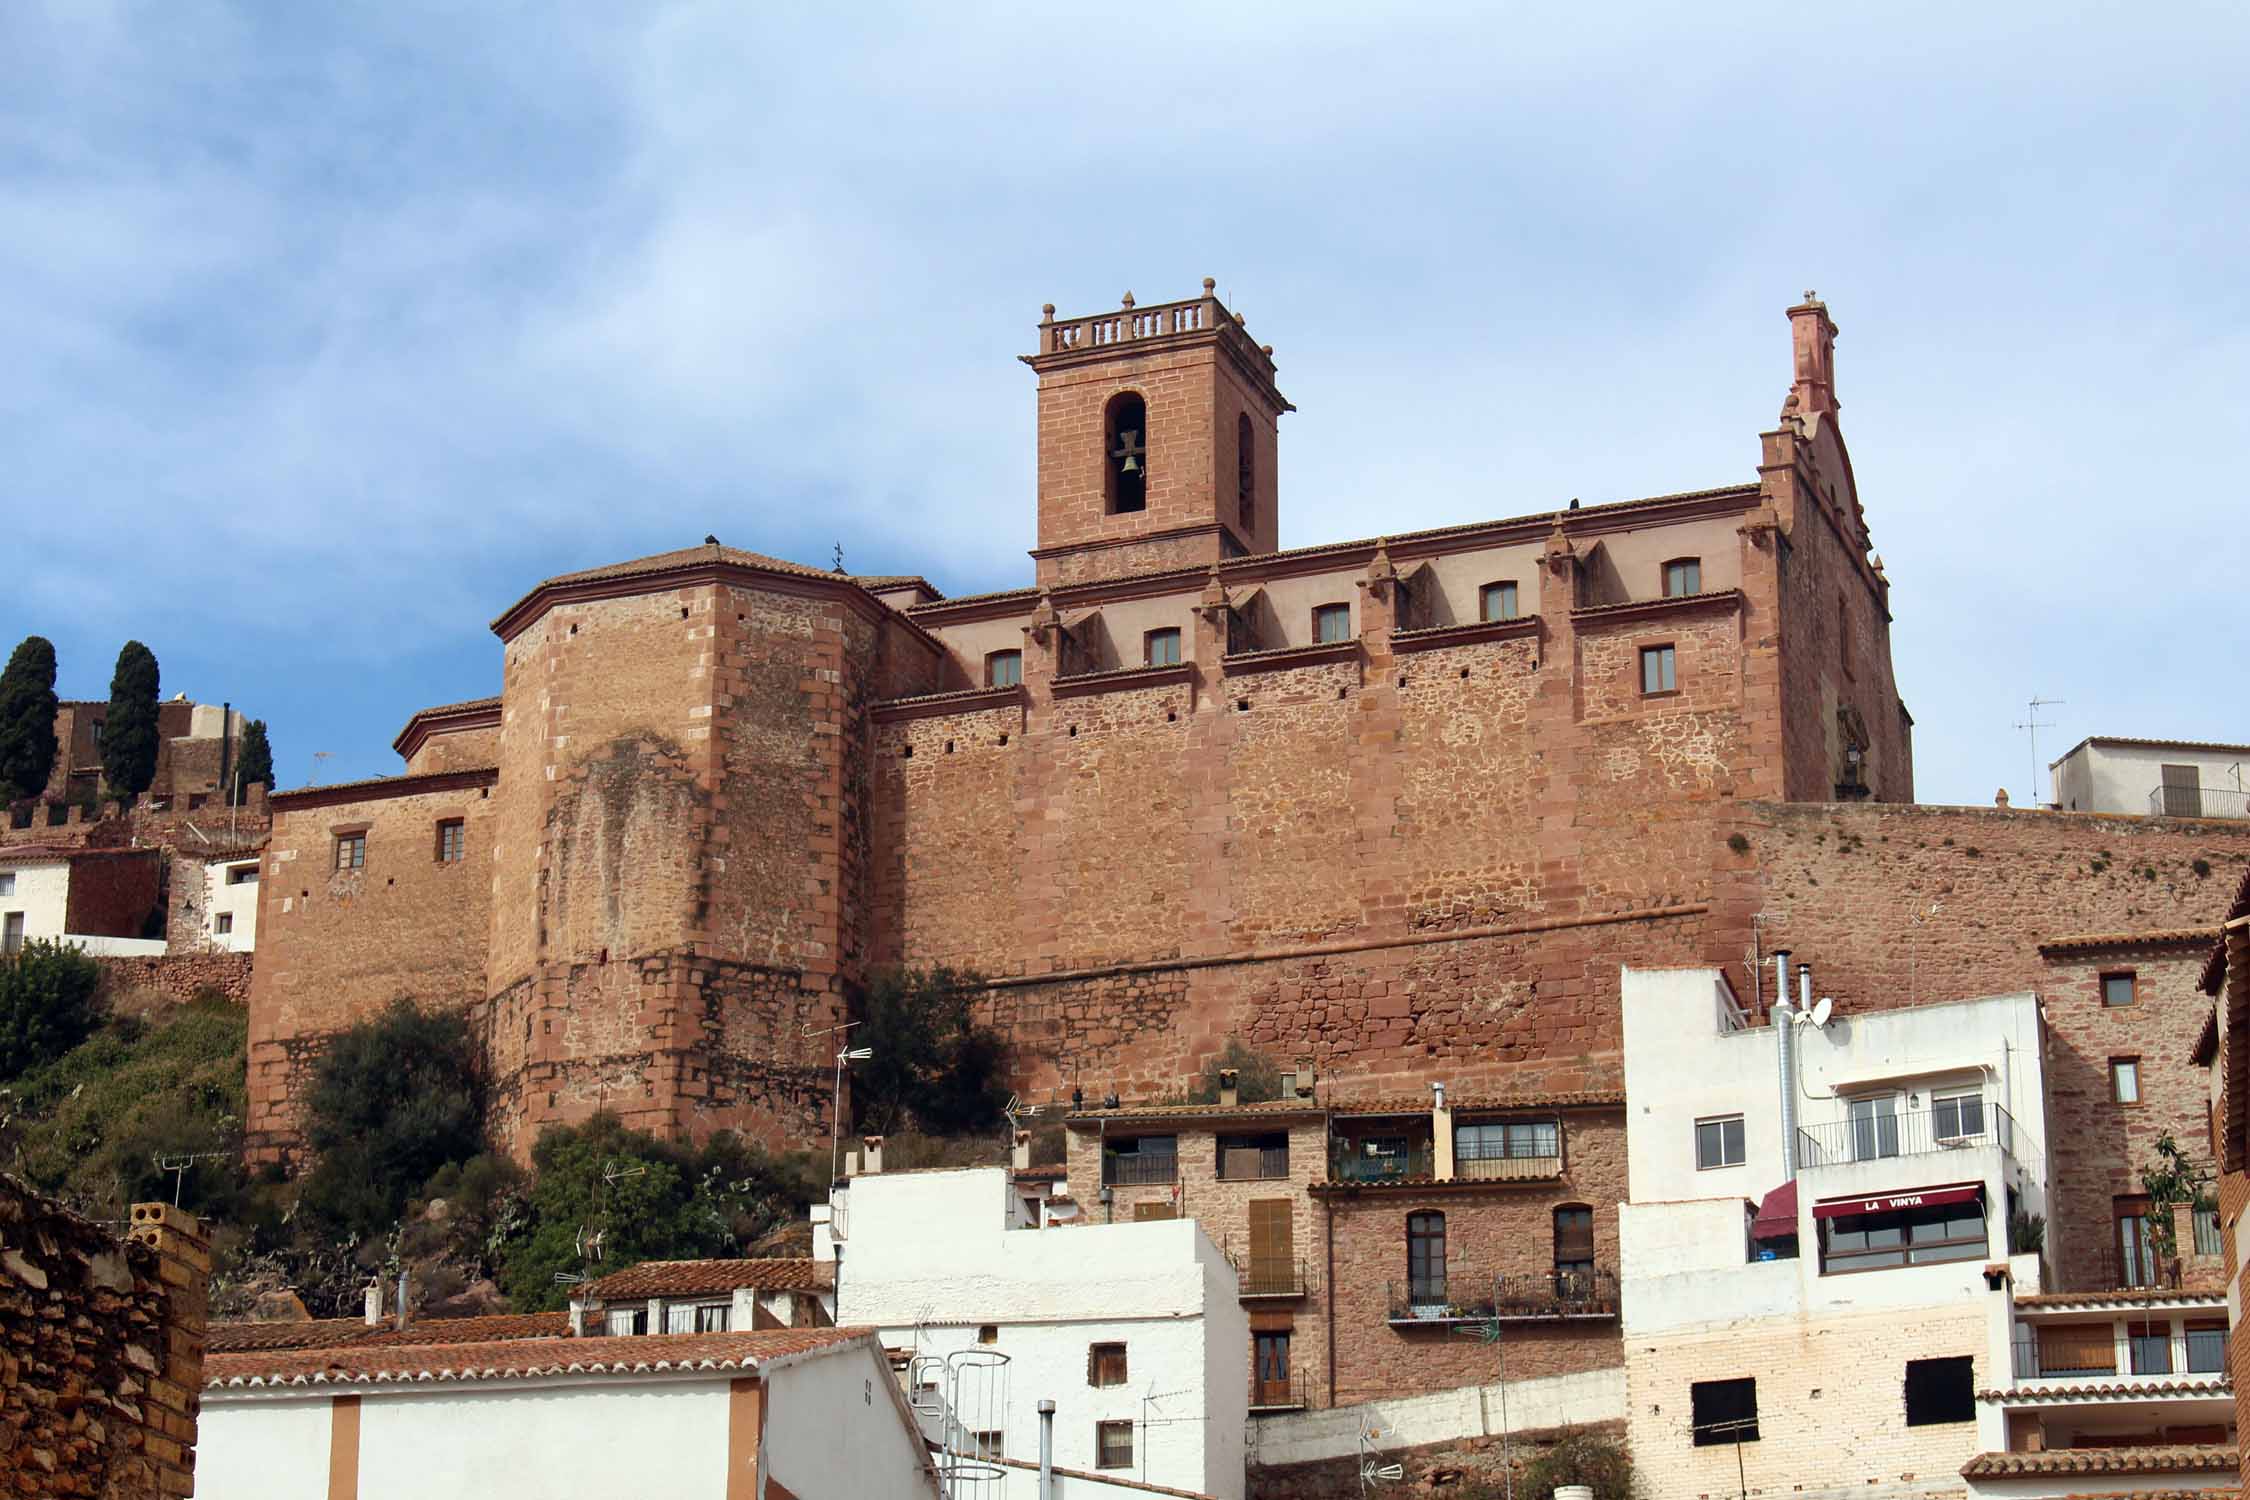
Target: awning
(1777,1215)
(1891,1203)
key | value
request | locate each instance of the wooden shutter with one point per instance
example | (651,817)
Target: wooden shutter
(2183,791)
(1143,1211)
(1271,1240)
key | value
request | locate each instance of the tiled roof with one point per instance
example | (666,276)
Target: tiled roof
(2154,1459)
(1419,1104)
(2163,937)
(2126,739)
(1269,1108)
(333,1333)
(401,785)
(662,562)
(34,853)
(518,1359)
(2229,1493)
(454,708)
(2122,1296)
(685,1278)
(2215,967)
(2217,1385)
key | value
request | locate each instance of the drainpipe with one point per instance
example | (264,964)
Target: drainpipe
(1046,1448)
(1784,1043)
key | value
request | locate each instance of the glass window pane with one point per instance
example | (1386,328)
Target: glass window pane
(1730,1133)
(2127,1076)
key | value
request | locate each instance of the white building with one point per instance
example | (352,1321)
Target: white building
(1135,1332)
(789,1414)
(34,895)
(707,1296)
(230,904)
(2178,778)
(1825,1333)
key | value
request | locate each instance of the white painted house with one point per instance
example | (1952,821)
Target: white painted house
(2176,778)
(1135,1332)
(786,1414)
(1817,1241)
(230,904)
(34,895)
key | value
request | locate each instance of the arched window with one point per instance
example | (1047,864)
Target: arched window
(1246,472)
(1125,450)
(1425,1258)
(1574,1249)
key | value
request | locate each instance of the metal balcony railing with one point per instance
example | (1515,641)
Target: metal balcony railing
(2065,1353)
(1349,1164)
(2199,802)
(1497,1167)
(1914,1132)
(1532,1298)
(1263,1276)
(1279,1392)
(1143,1170)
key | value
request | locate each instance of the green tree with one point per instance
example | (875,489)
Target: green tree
(393,1099)
(253,759)
(27,719)
(2170,1181)
(1257,1080)
(129,732)
(933,1065)
(46,1004)
(644,1199)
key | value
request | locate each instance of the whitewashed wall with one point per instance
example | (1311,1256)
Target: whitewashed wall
(239,901)
(2122,778)
(42,894)
(250,1450)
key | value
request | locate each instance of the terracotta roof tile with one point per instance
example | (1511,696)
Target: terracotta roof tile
(1271,1108)
(517,1359)
(2163,937)
(2123,1296)
(684,1278)
(2217,1385)
(2154,1459)
(661,562)
(333,1333)
(1419,1104)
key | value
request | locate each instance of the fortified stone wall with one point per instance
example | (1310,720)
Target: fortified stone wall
(101,1350)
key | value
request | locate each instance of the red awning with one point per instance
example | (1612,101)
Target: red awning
(1777,1215)
(1891,1203)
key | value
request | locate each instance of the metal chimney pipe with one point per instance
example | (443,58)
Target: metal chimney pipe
(1804,988)
(1784,1044)
(402,1299)
(1046,1449)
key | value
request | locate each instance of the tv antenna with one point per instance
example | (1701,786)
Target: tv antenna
(320,763)
(1372,1473)
(836,1091)
(2031,723)
(1489,1331)
(180,1166)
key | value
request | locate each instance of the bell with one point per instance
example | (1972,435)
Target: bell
(1132,464)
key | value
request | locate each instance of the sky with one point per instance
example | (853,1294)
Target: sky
(329,331)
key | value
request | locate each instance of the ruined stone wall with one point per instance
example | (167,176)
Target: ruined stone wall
(141,985)
(336,946)
(101,1350)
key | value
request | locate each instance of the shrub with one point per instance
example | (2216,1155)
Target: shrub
(932,1064)
(46,1004)
(393,1099)
(129,730)
(1257,1080)
(1581,1458)
(253,760)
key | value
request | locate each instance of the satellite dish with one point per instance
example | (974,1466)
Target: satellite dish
(1820,1011)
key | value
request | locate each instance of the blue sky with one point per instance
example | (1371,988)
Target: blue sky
(330,331)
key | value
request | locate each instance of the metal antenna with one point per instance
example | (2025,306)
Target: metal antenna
(179,1167)
(1372,1473)
(320,758)
(836,1091)
(1488,1331)
(1015,1109)
(2031,722)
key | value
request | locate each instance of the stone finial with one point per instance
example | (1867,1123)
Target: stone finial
(1382,573)
(1209,286)
(1127,302)
(2000,798)
(1044,619)
(1213,601)
(1879,573)
(1046,312)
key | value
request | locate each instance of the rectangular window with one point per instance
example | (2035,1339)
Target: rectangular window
(7,882)
(1874,1124)
(621,1321)
(223,923)
(1003,669)
(2136,1255)
(2151,1346)
(1113,1445)
(2125,1080)
(1105,1364)
(1332,622)
(238,875)
(1161,648)
(1957,1117)
(1659,672)
(2207,1241)
(1273,1243)
(2117,989)
(1515,1140)
(1425,1258)
(449,840)
(1724,1411)
(1497,601)
(1718,1143)
(1250,1158)
(1683,576)
(1909,1237)
(1133,1162)
(1574,1243)
(351,851)
(11,932)
(679,1317)
(2207,1346)
(1269,1367)
(1940,1391)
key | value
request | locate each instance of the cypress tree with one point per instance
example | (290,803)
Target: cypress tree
(129,734)
(27,719)
(253,758)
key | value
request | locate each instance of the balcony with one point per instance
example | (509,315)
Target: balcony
(1276,1277)
(2089,1351)
(1913,1132)
(2198,802)
(1279,1393)
(1350,1164)
(1148,1169)
(1500,1168)
(1550,1297)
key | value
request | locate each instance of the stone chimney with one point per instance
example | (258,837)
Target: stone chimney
(1304,1076)
(1230,1087)
(1441,1134)
(372,1298)
(1812,340)
(1021,1158)
(871,1161)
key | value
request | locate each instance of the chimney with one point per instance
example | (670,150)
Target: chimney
(872,1162)
(1230,1090)
(373,1297)
(1304,1078)
(1441,1134)
(404,1315)
(1812,341)
(1021,1160)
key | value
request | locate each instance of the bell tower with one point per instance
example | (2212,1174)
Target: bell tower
(1157,440)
